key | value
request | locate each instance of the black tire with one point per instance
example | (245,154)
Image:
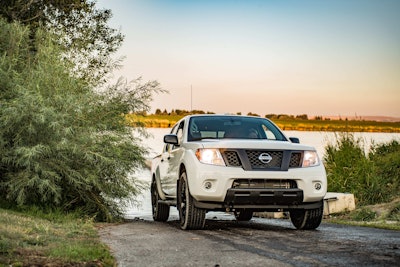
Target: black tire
(160,211)
(307,219)
(191,218)
(243,214)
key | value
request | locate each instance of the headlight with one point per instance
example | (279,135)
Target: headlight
(210,156)
(310,159)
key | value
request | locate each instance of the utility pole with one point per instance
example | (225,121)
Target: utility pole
(191,98)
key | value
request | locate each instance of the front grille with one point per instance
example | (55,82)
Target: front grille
(256,163)
(295,160)
(264,183)
(262,159)
(232,159)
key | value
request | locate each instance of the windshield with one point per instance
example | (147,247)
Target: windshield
(233,127)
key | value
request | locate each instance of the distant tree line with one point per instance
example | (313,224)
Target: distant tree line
(272,116)
(285,116)
(182,112)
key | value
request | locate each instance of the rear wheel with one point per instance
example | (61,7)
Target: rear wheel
(160,210)
(190,216)
(243,214)
(307,219)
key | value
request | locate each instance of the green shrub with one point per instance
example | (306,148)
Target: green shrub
(394,214)
(348,169)
(64,144)
(372,178)
(364,215)
(386,159)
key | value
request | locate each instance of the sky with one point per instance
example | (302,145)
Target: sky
(320,58)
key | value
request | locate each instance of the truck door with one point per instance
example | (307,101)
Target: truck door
(170,159)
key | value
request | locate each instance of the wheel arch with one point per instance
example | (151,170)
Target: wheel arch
(182,168)
(156,178)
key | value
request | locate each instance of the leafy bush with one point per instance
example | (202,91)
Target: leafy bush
(394,214)
(386,159)
(372,178)
(364,215)
(62,143)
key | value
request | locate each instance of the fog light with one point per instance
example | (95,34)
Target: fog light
(207,185)
(318,186)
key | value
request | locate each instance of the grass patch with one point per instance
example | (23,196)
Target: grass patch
(383,216)
(53,239)
(364,215)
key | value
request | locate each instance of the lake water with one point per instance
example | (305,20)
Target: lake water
(319,140)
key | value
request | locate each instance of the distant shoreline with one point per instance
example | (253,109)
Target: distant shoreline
(286,124)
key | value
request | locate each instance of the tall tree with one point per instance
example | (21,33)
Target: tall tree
(62,143)
(79,27)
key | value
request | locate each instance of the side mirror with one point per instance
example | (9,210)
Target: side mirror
(294,140)
(171,139)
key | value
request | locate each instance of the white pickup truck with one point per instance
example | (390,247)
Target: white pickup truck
(238,164)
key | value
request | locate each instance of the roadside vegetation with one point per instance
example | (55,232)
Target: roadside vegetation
(383,215)
(64,144)
(373,177)
(32,237)
(166,119)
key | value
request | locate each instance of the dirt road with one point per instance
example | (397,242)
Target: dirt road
(260,242)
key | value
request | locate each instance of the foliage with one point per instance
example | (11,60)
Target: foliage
(372,178)
(33,12)
(394,213)
(34,238)
(386,158)
(63,144)
(363,214)
(81,30)
(381,215)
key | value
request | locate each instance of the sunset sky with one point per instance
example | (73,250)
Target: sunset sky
(338,57)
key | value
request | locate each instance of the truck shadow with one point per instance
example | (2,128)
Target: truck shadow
(259,224)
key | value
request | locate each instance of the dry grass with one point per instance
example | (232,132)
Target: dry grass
(384,216)
(59,240)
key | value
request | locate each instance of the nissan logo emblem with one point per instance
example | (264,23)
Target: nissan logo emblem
(265,158)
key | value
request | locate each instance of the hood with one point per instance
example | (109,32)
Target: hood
(250,144)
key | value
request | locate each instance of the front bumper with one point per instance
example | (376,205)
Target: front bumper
(214,185)
(263,196)
(218,206)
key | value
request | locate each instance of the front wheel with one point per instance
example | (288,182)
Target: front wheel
(307,219)
(190,216)
(160,211)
